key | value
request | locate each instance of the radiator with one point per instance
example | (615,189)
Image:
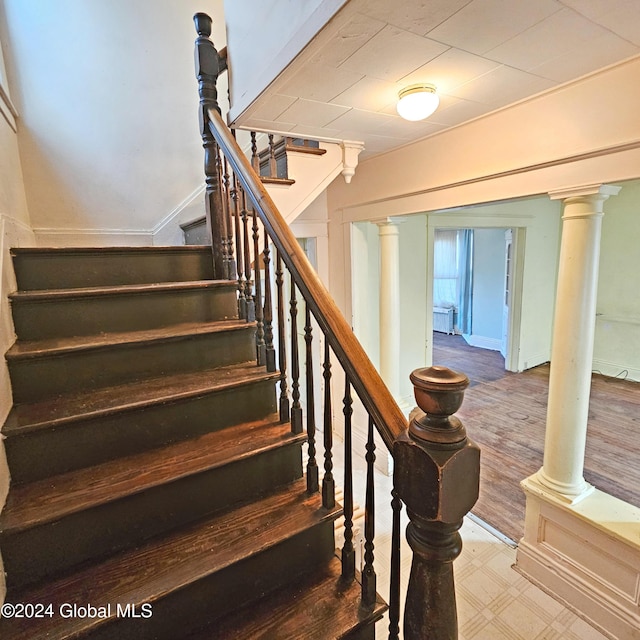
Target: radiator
(442,320)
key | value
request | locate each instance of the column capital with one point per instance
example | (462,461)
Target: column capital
(387,225)
(591,191)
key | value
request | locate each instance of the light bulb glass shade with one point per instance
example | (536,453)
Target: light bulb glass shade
(417,102)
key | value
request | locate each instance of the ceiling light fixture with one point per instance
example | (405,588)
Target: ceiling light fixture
(417,101)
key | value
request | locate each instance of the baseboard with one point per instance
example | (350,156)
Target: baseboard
(93,237)
(616,370)
(493,344)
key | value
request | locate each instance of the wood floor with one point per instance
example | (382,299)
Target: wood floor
(505,414)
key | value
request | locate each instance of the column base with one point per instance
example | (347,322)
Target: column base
(570,494)
(586,554)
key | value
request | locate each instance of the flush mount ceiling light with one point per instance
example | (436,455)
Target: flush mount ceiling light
(417,102)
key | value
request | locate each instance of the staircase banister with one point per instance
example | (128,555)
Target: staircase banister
(376,397)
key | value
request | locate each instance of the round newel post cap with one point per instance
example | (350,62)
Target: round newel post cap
(203,24)
(439,392)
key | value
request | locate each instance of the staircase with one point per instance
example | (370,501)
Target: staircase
(156,494)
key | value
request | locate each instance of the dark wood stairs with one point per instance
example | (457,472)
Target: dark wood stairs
(152,478)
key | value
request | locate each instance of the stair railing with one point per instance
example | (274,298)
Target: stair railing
(436,467)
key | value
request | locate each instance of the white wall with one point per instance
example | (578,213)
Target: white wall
(277,30)
(106,90)
(15,231)
(488,287)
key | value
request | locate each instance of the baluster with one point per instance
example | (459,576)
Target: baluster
(268,307)
(296,409)
(328,483)
(282,346)
(273,169)
(251,306)
(312,466)
(394,591)
(242,301)
(223,215)
(368,573)
(231,259)
(208,67)
(261,348)
(255,159)
(348,551)
(437,449)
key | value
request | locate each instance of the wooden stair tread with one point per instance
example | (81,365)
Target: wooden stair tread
(316,607)
(50,499)
(56,412)
(164,565)
(58,346)
(41,295)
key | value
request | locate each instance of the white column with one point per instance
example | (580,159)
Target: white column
(573,334)
(389,233)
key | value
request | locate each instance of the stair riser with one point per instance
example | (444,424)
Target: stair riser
(68,270)
(35,379)
(82,316)
(97,532)
(203,602)
(51,451)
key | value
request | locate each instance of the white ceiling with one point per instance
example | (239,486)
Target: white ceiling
(481,55)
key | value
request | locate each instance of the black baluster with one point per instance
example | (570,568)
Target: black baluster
(368,572)
(394,592)
(242,301)
(273,168)
(251,306)
(255,159)
(282,342)
(328,483)
(224,215)
(312,465)
(261,347)
(296,409)
(348,551)
(231,259)
(270,352)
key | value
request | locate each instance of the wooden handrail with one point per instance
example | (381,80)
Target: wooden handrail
(372,391)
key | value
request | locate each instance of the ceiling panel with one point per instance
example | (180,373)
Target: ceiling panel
(451,69)
(316,114)
(392,54)
(419,16)
(556,35)
(484,24)
(319,82)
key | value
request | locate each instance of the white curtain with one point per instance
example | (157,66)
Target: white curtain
(445,269)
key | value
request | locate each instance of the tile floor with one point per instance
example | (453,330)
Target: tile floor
(494,601)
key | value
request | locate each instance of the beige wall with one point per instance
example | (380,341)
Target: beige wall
(106,90)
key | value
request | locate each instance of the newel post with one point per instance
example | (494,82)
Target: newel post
(209,65)
(437,471)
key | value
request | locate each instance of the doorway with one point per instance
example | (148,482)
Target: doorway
(474,288)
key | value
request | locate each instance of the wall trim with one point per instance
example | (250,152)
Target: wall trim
(177,210)
(90,237)
(494,344)
(578,157)
(614,369)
